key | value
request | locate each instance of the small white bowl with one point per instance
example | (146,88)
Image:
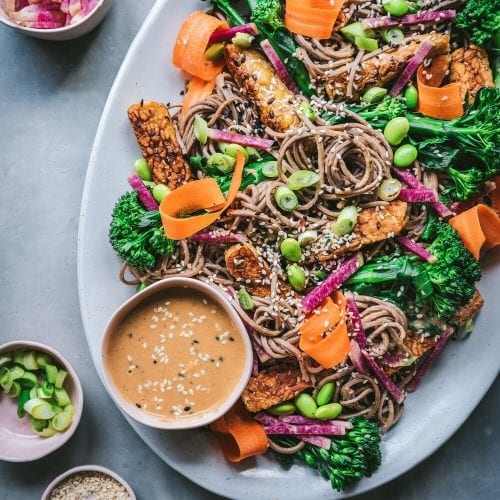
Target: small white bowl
(19,443)
(87,468)
(70,32)
(139,298)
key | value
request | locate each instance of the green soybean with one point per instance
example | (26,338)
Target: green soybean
(142,168)
(214,52)
(395,7)
(328,412)
(307,237)
(296,277)
(365,43)
(306,405)
(325,394)
(411,97)
(373,95)
(393,36)
(286,408)
(243,40)
(245,299)
(290,249)
(395,131)
(405,155)
(159,192)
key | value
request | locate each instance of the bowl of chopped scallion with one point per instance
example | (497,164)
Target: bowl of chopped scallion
(41,401)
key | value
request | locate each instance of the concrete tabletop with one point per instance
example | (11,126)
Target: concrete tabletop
(51,99)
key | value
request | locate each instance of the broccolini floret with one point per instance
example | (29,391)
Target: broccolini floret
(442,288)
(137,235)
(482,19)
(464,183)
(350,458)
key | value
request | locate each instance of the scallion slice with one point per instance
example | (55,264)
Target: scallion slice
(5,359)
(38,425)
(49,431)
(286,199)
(61,376)
(51,373)
(29,361)
(302,179)
(15,390)
(200,129)
(28,380)
(270,169)
(346,221)
(62,397)
(61,422)
(307,237)
(389,189)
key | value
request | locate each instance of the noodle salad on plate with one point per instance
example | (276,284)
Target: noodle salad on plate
(332,169)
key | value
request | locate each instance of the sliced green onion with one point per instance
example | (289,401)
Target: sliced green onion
(368,44)
(61,375)
(307,237)
(29,361)
(57,409)
(373,95)
(15,390)
(302,179)
(5,359)
(61,422)
(351,31)
(19,357)
(243,40)
(253,153)
(39,409)
(222,162)
(28,380)
(346,221)
(51,373)
(38,425)
(42,359)
(16,372)
(62,397)
(200,129)
(393,36)
(232,149)
(286,199)
(215,52)
(389,189)
(23,397)
(70,410)
(306,108)
(49,431)
(270,169)
(5,380)
(245,299)
(45,391)
(34,392)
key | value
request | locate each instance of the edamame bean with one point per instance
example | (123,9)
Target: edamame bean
(286,408)
(290,249)
(296,277)
(325,394)
(393,36)
(411,97)
(328,412)
(307,237)
(142,168)
(405,155)
(159,192)
(306,404)
(347,219)
(245,299)
(243,40)
(395,131)
(395,7)
(373,95)
(214,52)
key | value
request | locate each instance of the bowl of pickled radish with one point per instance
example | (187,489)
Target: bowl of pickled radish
(41,401)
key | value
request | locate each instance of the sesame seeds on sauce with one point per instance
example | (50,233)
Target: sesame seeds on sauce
(176,356)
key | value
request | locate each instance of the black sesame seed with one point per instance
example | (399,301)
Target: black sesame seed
(138,405)
(187,408)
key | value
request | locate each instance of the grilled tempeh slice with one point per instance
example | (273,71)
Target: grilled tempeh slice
(470,309)
(263,87)
(273,386)
(156,135)
(374,225)
(377,70)
(244,264)
(471,69)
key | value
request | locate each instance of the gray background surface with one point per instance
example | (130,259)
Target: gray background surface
(51,99)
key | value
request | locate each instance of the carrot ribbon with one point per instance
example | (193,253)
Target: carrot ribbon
(240,436)
(192,42)
(197,90)
(204,194)
(444,103)
(324,334)
(312,18)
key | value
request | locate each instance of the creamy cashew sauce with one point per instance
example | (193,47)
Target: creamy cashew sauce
(176,355)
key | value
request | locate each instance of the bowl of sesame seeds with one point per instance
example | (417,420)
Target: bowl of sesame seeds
(89,482)
(176,355)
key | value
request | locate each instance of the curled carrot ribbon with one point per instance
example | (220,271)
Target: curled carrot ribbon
(204,194)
